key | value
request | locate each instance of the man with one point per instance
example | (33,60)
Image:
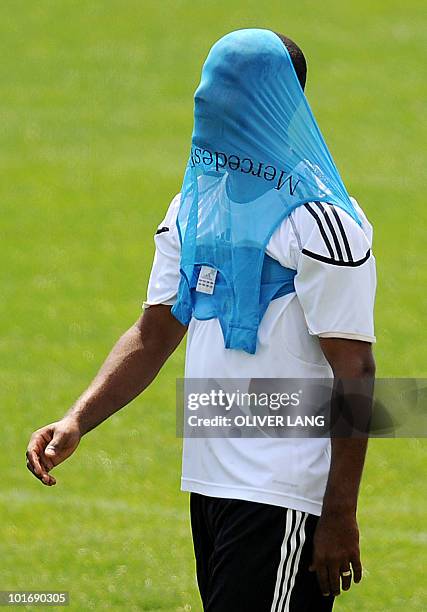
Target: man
(273,520)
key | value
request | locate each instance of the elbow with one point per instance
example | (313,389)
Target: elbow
(367,369)
(349,358)
(367,366)
(356,365)
(359,367)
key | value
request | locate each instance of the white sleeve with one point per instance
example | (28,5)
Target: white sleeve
(336,277)
(165,274)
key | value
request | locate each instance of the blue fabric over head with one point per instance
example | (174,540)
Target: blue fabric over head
(257,153)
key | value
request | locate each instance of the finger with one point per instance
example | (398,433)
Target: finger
(39,440)
(46,462)
(35,466)
(345,579)
(53,449)
(323,579)
(51,481)
(34,461)
(30,467)
(46,479)
(357,569)
(334,579)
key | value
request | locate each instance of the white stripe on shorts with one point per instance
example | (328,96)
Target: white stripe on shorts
(287,571)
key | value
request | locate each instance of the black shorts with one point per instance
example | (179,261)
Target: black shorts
(253,557)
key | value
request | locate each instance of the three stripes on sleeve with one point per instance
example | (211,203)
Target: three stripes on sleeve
(334,236)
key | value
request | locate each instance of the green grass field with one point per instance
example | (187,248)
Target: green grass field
(95,121)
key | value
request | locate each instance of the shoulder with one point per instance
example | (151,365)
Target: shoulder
(169,222)
(323,232)
(329,234)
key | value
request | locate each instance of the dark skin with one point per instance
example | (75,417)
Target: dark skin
(133,364)
(336,540)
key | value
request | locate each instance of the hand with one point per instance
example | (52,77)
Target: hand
(336,550)
(50,446)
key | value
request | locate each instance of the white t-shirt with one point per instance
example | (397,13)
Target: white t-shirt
(335,290)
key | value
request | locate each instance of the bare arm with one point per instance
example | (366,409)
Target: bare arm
(336,542)
(131,366)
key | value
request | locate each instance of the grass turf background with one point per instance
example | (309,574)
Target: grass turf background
(95,120)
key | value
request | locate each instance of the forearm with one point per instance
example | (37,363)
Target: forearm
(347,461)
(351,412)
(131,366)
(126,372)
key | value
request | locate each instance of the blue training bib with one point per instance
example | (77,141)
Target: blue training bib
(257,154)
